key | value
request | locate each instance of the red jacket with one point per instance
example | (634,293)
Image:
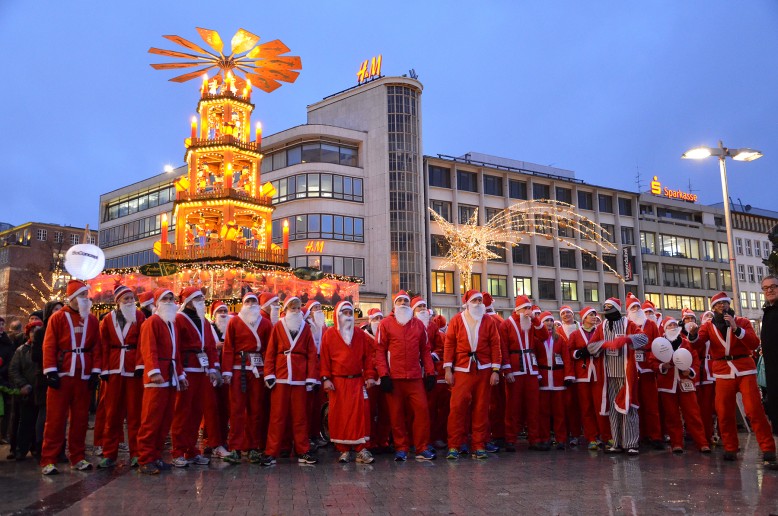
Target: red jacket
(554,363)
(668,378)
(291,361)
(193,340)
(738,348)
(339,359)
(643,356)
(159,352)
(521,344)
(702,350)
(239,338)
(589,369)
(401,350)
(72,345)
(458,346)
(120,354)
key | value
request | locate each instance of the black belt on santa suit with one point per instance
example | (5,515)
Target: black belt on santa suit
(130,346)
(520,352)
(290,352)
(347,376)
(729,358)
(551,368)
(171,370)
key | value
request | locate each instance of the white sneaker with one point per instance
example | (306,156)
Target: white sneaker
(124,447)
(180,462)
(199,460)
(98,450)
(365,457)
(82,465)
(50,469)
(220,452)
(344,457)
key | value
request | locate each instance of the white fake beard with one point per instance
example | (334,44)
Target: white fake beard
(525,322)
(423,316)
(128,311)
(346,328)
(221,322)
(274,311)
(84,306)
(638,317)
(249,315)
(293,320)
(403,314)
(374,327)
(167,312)
(199,307)
(318,319)
(671,335)
(688,326)
(476,311)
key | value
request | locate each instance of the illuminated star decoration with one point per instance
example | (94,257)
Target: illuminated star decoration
(550,219)
(262,65)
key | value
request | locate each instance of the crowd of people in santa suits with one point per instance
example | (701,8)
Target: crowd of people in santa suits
(253,383)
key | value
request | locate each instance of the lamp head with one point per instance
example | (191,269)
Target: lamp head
(745,154)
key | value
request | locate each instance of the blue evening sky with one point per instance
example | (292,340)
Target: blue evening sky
(604,88)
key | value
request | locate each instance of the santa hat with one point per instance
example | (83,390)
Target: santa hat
(522,302)
(719,298)
(160,293)
(648,306)
(374,312)
(565,308)
(188,294)
(339,308)
(289,300)
(669,319)
(399,295)
(416,301)
(536,310)
(307,308)
(546,315)
(471,294)
(218,304)
(613,301)
(29,326)
(586,311)
(440,320)
(119,291)
(146,298)
(632,300)
(75,287)
(266,298)
(250,295)
(687,312)
(488,299)
(707,313)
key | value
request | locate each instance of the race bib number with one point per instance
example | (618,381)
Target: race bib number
(534,359)
(558,359)
(639,356)
(256,360)
(203,359)
(364,392)
(687,385)
(612,352)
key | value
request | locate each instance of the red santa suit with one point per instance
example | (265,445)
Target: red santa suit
(735,371)
(291,363)
(472,350)
(570,395)
(522,396)
(347,364)
(243,359)
(223,390)
(439,398)
(590,382)
(159,355)
(679,397)
(556,370)
(401,351)
(381,425)
(71,349)
(316,397)
(497,396)
(198,357)
(706,388)
(124,388)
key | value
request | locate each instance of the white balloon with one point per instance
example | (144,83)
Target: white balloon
(682,359)
(84,261)
(662,349)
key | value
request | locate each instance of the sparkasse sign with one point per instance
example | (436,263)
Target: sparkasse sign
(656,189)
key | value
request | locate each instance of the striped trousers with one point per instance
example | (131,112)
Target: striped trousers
(625,428)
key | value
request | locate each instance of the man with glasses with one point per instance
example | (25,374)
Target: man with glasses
(769,337)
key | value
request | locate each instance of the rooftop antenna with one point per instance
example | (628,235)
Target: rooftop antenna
(638,179)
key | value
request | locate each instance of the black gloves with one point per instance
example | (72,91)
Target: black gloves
(569,382)
(104,376)
(429,382)
(582,354)
(93,382)
(270,382)
(52,380)
(386,384)
(138,373)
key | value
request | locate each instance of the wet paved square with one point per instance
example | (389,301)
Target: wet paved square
(556,482)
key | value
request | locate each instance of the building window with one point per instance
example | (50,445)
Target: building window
(609,232)
(676,302)
(569,290)
(761,299)
(131,260)
(654,298)
(345,266)
(492,213)
(317,152)
(546,289)
(517,189)
(467,181)
(708,253)
(139,202)
(545,255)
(585,201)
(440,177)
(522,286)
(766,247)
(726,280)
(521,254)
(610,260)
(759,274)
(647,243)
(466,213)
(540,191)
(74,239)
(711,278)
(439,245)
(475,282)
(739,246)
(625,206)
(681,276)
(500,251)
(606,203)
(611,290)
(650,274)
(588,262)
(646,209)
(332,186)
(58,237)
(741,272)
(131,231)
(627,235)
(748,247)
(591,293)
(442,282)
(754,303)
(498,285)
(492,185)
(679,247)
(442,208)
(757,249)
(744,300)
(564,195)
(567,259)
(42,235)
(751,275)
(321,226)
(723,252)
(92,240)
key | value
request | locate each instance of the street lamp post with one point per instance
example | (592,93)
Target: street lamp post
(722,153)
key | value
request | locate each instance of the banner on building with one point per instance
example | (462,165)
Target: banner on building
(626,259)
